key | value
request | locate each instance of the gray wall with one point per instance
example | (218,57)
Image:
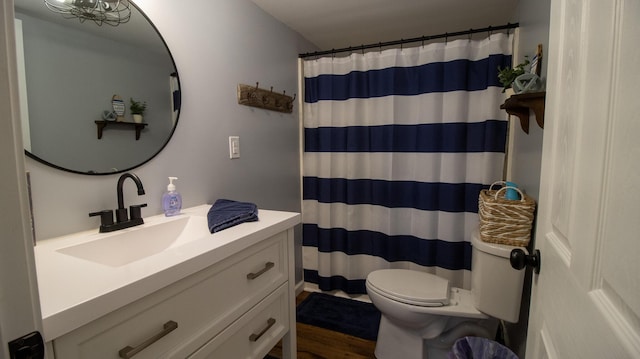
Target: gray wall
(533,16)
(216,45)
(534,30)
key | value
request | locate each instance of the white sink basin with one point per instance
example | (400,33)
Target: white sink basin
(129,245)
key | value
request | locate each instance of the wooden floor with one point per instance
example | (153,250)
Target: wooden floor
(318,343)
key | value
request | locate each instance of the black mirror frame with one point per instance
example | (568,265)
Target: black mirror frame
(179,101)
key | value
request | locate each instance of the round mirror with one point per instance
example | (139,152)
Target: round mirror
(80,82)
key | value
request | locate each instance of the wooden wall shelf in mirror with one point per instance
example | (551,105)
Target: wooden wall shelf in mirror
(102,124)
(520,104)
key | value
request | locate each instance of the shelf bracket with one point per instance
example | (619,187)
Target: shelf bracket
(520,104)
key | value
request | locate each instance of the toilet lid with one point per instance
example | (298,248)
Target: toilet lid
(411,287)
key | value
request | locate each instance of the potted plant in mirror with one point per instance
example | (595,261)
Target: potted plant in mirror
(137,110)
(507,75)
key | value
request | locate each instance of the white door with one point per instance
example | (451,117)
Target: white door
(19,305)
(586,299)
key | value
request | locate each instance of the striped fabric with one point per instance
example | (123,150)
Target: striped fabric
(397,146)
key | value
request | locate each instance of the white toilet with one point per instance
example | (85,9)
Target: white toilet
(422,316)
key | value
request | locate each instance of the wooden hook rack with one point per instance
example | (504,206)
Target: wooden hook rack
(267,99)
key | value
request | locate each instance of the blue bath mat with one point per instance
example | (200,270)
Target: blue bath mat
(343,315)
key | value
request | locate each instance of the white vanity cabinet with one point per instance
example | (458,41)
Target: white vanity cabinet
(238,307)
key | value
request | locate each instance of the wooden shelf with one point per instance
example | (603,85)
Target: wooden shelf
(520,104)
(102,124)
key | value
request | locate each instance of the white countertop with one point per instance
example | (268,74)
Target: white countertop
(74,291)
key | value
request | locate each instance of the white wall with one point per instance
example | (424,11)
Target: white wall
(216,45)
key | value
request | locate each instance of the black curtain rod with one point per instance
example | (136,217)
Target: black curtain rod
(405,41)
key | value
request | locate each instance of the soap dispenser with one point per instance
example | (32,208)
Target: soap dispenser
(171,200)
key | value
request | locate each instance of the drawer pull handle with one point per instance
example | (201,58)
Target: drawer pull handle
(255,337)
(267,266)
(128,352)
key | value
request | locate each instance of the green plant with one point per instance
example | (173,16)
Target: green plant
(137,107)
(507,75)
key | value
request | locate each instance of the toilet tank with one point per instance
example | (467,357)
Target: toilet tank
(496,286)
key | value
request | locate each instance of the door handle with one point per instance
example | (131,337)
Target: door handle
(519,259)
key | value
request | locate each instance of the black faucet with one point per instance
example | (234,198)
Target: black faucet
(122,218)
(121,212)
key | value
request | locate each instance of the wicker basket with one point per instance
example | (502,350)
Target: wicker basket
(505,221)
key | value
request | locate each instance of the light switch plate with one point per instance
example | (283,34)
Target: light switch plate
(234,147)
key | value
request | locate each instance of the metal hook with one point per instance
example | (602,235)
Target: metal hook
(446,37)
(489,32)
(289,104)
(362,48)
(257,83)
(380,46)
(422,41)
(401,43)
(470,31)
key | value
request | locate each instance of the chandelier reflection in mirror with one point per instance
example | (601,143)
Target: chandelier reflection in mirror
(110,12)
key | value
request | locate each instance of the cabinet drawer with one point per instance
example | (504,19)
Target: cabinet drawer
(201,305)
(254,334)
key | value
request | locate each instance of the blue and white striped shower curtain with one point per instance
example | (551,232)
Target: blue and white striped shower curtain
(397,146)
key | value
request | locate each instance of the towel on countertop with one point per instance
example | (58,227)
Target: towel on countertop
(227,213)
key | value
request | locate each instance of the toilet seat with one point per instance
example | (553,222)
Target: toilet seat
(411,287)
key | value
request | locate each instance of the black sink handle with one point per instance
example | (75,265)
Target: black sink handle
(106,217)
(135,210)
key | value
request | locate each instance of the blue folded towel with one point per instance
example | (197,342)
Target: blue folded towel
(226,213)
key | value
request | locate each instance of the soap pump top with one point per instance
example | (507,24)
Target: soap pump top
(171,187)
